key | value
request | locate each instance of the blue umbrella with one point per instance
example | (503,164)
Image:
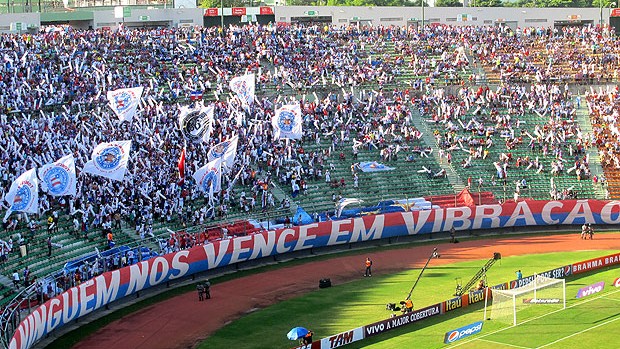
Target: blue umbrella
(296,333)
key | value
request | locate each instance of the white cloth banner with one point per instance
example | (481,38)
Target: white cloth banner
(124,102)
(58,178)
(209,177)
(109,160)
(287,122)
(23,196)
(227,150)
(196,123)
(244,87)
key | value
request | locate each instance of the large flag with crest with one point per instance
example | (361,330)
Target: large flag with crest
(124,102)
(23,196)
(109,160)
(209,177)
(227,150)
(58,178)
(196,123)
(244,87)
(287,122)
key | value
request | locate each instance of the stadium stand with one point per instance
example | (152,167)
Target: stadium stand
(449,116)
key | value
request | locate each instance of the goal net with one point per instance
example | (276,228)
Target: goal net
(537,298)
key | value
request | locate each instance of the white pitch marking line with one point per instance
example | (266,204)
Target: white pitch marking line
(506,344)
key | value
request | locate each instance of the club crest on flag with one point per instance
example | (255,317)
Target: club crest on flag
(57,180)
(109,158)
(196,123)
(209,181)
(244,87)
(122,101)
(286,120)
(22,197)
(241,87)
(218,150)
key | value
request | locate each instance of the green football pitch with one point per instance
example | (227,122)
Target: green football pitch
(589,322)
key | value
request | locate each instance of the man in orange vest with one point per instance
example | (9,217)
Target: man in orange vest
(368,267)
(408,306)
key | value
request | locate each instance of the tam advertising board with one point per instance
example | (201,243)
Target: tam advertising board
(462,332)
(342,339)
(111,286)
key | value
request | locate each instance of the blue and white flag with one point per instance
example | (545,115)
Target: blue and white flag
(58,178)
(243,87)
(227,150)
(373,166)
(23,196)
(109,160)
(287,122)
(124,102)
(196,123)
(209,177)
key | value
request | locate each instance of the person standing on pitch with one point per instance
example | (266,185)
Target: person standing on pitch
(368,263)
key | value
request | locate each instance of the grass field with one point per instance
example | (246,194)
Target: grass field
(588,322)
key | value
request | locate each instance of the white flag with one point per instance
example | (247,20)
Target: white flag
(23,196)
(209,177)
(58,178)
(227,150)
(124,102)
(287,122)
(109,160)
(243,87)
(196,123)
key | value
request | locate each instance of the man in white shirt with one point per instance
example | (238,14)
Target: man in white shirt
(16,279)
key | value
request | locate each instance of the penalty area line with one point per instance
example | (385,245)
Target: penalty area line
(580,332)
(506,344)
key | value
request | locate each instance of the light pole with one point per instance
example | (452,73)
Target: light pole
(600,22)
(422,15)
(222,15)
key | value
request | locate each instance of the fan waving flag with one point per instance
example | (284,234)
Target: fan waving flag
(181,166)
(109,160)
(243,87)
(287,122)
(209,177)
(227,150)
(124,102)
(58,178)
(196,123)
(23,196)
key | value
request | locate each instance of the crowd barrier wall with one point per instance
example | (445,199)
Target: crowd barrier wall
(111,286)
(380,327)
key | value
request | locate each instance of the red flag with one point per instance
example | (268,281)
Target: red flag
(182,167)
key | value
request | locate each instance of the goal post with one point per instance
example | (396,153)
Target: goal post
(537,298)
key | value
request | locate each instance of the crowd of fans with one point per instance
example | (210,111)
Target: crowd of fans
(53,96)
